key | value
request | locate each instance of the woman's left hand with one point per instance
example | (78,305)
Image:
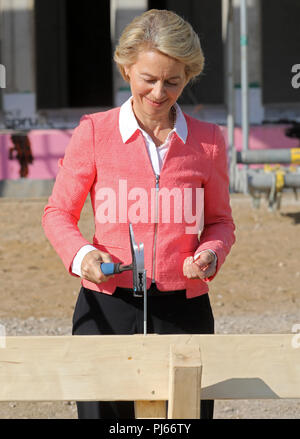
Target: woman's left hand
(204,267)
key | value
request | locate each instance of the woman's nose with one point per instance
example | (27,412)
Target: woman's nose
(158,91)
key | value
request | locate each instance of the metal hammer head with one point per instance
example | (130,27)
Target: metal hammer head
(138,263)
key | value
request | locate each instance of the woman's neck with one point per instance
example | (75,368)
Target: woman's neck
(158,128)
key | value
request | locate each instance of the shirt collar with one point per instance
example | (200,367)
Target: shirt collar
(128,123)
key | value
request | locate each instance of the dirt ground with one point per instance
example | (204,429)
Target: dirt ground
(262,272)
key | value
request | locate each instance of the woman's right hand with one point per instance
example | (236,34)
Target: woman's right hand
(90,266)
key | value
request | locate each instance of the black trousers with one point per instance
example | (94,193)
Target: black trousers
(122,314)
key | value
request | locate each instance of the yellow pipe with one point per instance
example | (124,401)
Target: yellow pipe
(295,155)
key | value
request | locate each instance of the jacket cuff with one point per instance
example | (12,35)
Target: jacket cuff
(76,264)
(196,257)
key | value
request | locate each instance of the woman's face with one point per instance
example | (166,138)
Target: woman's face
(156,82)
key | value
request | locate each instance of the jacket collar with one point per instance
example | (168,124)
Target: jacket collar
(128,123)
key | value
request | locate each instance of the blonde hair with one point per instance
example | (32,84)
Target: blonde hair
(164,31)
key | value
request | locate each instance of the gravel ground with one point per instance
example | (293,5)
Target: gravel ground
(245,409)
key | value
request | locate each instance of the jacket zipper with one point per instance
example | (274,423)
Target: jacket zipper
(155,226)
(157,176)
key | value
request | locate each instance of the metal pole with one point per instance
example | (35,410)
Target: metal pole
(230,91)
(267,156)
(264,181)
(244,76)
(145,302)
(228,43)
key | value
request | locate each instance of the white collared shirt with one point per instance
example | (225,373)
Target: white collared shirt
(128,126)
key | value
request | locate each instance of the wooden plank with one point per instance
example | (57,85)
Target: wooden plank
(150,409)
(185,382)
(91,368)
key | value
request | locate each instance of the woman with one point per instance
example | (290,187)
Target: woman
(126,158)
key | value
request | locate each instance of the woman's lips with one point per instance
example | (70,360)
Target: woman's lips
(155,104)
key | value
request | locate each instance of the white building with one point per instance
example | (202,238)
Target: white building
(58,59)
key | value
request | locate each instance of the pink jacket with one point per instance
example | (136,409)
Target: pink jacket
(122,186)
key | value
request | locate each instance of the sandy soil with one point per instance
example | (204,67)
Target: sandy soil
(261,274)
(262,271)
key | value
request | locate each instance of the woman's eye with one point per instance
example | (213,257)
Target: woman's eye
(153,81)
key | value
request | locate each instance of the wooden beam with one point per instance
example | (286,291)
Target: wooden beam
(150,409)
(185,382)
(136,368)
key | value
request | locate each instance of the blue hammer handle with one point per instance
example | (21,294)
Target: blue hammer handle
(109,268)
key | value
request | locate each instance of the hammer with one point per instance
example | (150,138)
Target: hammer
(138,271)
